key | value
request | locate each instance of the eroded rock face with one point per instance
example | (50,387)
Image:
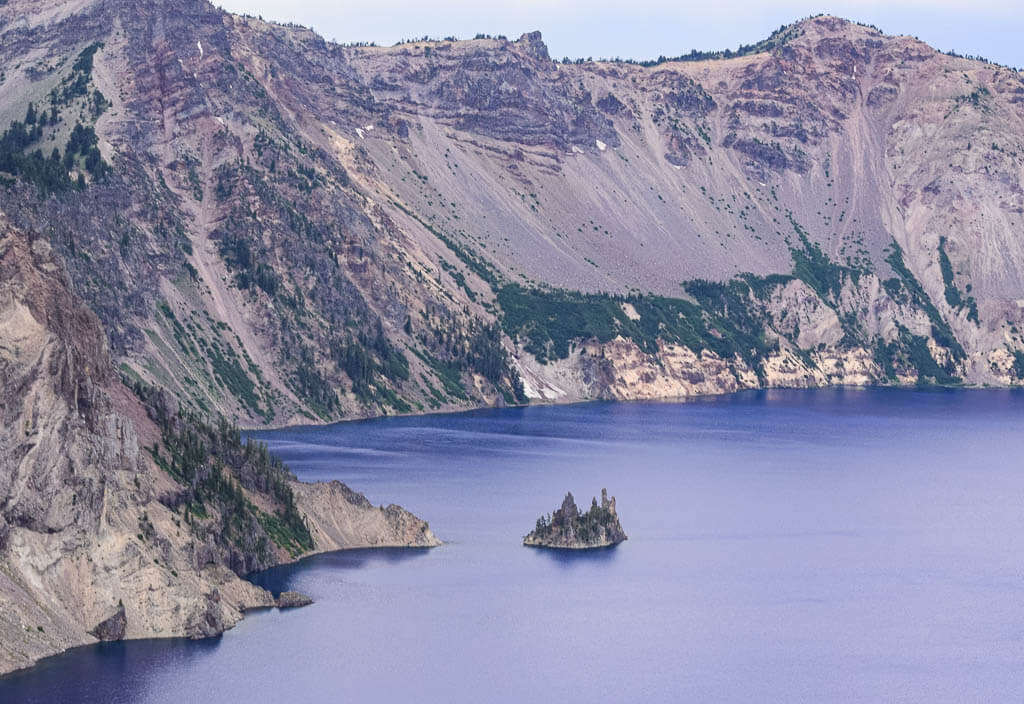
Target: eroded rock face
(88,520)
(270,193)
(569,529)
(112,628)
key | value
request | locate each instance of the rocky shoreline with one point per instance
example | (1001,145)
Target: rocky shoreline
(121,518)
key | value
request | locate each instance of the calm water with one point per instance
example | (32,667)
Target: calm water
(832,545)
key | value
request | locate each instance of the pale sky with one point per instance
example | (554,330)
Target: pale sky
(643,29)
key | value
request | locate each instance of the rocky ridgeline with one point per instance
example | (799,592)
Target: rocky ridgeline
(284,230)
(569,529)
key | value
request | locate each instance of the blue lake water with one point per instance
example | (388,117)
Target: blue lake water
(829,545)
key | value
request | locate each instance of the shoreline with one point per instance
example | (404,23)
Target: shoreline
(697,398)
(245,610)
(669,400)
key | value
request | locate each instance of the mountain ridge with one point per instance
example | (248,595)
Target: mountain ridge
(340,228)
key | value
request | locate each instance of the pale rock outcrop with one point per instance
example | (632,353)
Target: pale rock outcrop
(361,524)
(292,600)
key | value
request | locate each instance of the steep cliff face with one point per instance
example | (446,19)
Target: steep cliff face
(216,230)
(833,182)
(97,542)
(282,229)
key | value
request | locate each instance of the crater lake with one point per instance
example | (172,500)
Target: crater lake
(841,545)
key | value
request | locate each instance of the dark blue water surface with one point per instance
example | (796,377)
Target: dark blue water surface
(826,546)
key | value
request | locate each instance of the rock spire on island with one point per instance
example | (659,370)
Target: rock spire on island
(569,529)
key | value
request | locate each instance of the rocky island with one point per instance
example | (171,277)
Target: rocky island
(569,529)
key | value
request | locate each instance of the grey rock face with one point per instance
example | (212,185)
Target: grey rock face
(534,45)
(112,628)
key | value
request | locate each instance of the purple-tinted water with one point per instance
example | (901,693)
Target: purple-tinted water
(831,545)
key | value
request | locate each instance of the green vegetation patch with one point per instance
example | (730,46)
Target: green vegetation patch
(229,372)
(216,469)
(218,361)
(1018,364)
(912,351)
(941,331)
(446,372)
(812,266)
(549,321)
(954,298)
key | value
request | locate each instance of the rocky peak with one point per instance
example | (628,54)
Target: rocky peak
(606,504)
(813,29)
(533,45)
(568,512)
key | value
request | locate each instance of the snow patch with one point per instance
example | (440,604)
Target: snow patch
(369,128)
(359,131)
(220,120)
(601,145)
(200,45)
(576,150)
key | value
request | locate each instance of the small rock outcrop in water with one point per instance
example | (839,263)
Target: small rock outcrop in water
(292,600)
(568,528)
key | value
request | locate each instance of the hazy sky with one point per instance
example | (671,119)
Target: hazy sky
(644,29)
